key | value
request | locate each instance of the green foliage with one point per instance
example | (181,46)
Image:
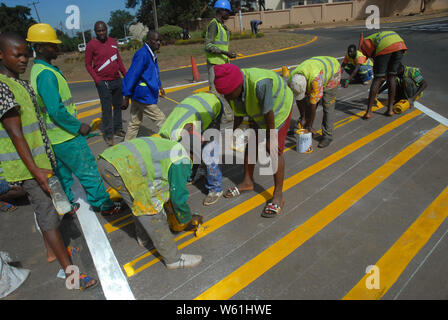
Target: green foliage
(68,43)
(170,34)
(119,19)
(133,45)
(17,19)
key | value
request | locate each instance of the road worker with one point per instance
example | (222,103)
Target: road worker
(204,109)
(26,156)
(66,132)
(149,172)
(217,39)
(313,80)
(263,96)
(358,66)
(387,49)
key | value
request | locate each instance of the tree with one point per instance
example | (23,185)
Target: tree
(17,19)
(119,19)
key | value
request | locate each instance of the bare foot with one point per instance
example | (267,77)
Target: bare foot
(367,115)
(389,113)
(50,256)
(232,192)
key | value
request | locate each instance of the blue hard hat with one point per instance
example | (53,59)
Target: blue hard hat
(222,4)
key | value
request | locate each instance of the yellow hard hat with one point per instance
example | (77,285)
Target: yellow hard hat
(42,33)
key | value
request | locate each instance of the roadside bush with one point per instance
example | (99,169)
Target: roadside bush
(170,33)
(133,45)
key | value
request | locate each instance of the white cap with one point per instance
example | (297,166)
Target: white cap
(298,86)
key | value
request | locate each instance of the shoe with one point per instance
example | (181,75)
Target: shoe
(116,208)
(109,141)
(325,142)
(120,133)
(185,261)
(212,198)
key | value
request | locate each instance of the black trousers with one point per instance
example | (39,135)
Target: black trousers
(111,100)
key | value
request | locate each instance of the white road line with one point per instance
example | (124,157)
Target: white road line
(112,279)
(431,113)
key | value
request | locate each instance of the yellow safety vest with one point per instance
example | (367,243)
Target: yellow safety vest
(14,169)
(143,164)
(382,40)
(56,134)
(221,41)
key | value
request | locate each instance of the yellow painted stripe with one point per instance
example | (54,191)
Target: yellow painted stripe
(86,105)
(397,258)
(112,226)
(250,204)
(88,113)
(345,121)
(256,267)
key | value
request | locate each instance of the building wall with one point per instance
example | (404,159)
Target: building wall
(329,12)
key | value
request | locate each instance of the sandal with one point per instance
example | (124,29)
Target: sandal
(84,281)
(212,198)
(271,210)
(232,192)
(7,207)
(71,251)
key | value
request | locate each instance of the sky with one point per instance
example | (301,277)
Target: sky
(53,11)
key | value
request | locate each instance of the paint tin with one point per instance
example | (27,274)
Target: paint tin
(401,106)
(304,141)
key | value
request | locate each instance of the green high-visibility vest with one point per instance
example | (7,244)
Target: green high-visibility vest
(56,134)
(14,169)
(282,95)
(202,107)
(311,68)
(409,72)
(352,61)
(143,164)
(221,41)
(382,40)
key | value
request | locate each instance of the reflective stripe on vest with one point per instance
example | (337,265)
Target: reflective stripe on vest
(282,105)
(382,40)
(203,107)
(221,41)
(14,169)
(144,170)
(55,133)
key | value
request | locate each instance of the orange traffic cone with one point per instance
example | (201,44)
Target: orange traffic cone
(194,68)
(361,40)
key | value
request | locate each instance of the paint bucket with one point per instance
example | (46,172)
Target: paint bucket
(95,124)
(114,195)
(172,220)
(304,141)
(401,106)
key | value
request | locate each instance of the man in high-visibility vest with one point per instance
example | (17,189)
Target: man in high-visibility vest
(26,157)
(217,39)
(149,172)
(387,49)
(66,132)
(313,80)
(197,113)
(263,96)
(358,66)
(410,84)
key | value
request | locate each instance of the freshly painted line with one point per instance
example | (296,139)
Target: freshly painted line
(111,277)
(421,264)
(88,101)
(252,270)
(243,57)
(431,113)
(257,200)
(398,257)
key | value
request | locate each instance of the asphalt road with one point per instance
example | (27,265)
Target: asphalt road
(375,197)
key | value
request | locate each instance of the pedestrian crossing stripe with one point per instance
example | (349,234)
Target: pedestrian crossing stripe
(250,204)
(252,270)
(397,258)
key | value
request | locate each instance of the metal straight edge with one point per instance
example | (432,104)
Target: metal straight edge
(111,277)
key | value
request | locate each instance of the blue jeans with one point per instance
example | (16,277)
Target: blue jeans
(365,73)
(214,171)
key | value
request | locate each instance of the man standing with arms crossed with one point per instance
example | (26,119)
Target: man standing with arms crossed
(104,64)
(217,52)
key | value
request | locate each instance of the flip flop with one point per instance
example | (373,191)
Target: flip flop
(84,281)
(271,210)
